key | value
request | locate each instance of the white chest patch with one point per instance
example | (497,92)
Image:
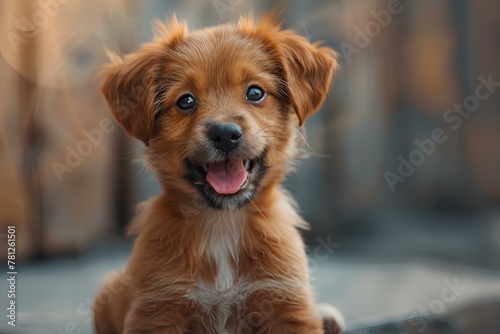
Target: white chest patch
(223,253)
(221,243)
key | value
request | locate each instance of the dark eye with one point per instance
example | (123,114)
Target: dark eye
(255,94)
(186,102)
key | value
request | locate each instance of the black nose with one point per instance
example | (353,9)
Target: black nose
(225,136)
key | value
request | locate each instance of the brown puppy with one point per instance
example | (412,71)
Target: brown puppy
(218,251)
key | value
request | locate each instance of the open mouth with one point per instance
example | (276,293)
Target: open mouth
(229,183)
(229,176)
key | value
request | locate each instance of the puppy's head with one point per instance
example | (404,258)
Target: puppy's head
(218,108)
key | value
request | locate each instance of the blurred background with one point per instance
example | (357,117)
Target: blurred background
(402,191)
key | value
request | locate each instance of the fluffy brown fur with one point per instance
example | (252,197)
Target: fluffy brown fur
(205,262)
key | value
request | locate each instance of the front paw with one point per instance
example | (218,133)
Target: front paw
(333,322)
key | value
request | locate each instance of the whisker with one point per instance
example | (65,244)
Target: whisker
(260,212)
(133,151)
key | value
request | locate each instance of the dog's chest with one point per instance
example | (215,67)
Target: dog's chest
(221,244)
(223,250)
(218,305)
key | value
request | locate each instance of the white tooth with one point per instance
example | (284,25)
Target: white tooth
(247,164)
(205,168)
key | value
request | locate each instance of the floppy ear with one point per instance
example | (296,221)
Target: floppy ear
(133,87)
(308,70)
(130,89)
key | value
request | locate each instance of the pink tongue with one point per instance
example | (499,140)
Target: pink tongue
(227,177)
